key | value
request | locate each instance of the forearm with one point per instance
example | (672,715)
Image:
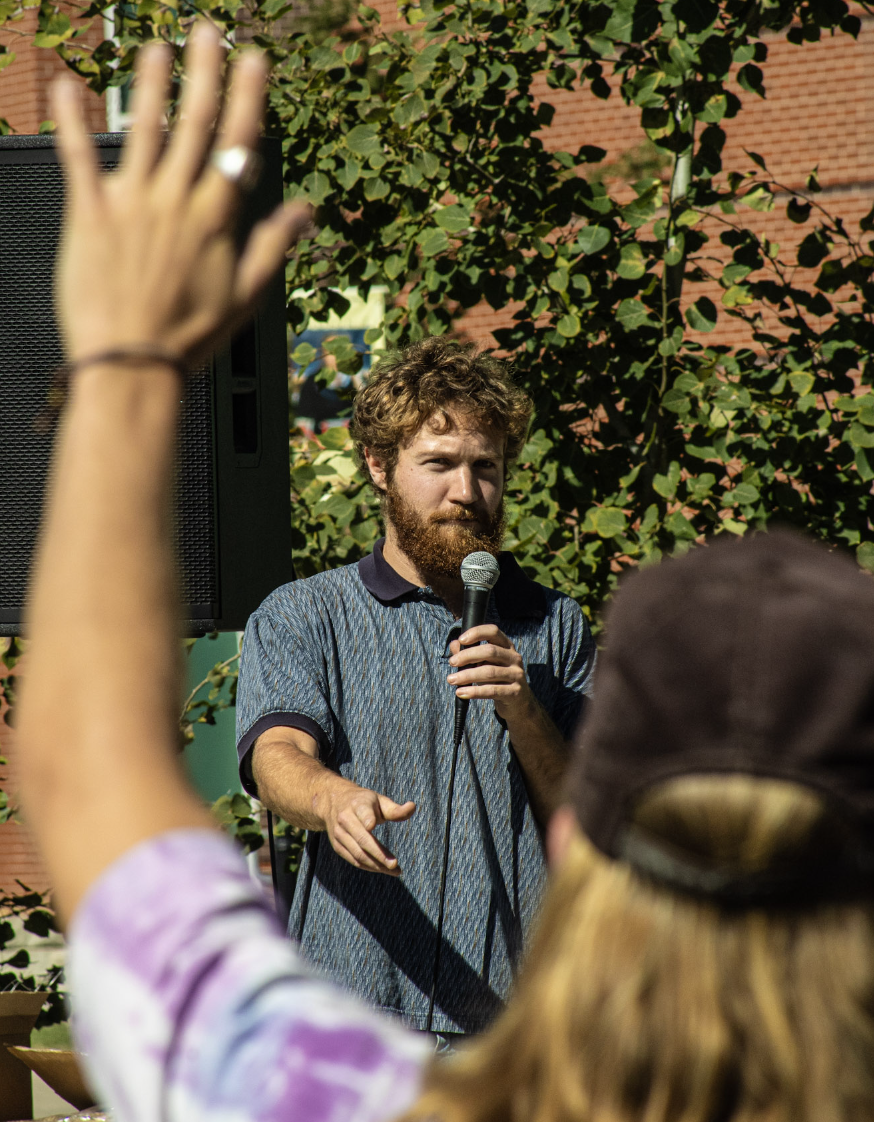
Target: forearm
(106,533)
(542,754)
(294,784)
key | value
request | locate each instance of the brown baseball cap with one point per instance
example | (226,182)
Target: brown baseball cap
(752,656)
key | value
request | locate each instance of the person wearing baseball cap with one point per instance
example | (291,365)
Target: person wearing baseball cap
(706,950)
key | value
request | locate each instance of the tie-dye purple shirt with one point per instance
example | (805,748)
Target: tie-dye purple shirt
(190,1003)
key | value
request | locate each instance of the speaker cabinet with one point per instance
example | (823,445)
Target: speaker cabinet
(232,503)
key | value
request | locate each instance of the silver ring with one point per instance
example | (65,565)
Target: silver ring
(239,165)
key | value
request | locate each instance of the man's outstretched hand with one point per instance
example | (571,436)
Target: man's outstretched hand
(350,815)
(148,257)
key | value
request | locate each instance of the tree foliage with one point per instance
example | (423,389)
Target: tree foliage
(422,149)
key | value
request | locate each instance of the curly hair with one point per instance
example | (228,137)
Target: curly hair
(427,379)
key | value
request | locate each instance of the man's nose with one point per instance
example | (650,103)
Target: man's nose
(464,487)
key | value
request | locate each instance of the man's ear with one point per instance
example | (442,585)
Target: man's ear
(559,834)
(376,467)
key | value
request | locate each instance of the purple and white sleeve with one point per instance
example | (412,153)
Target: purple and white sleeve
(190,1003)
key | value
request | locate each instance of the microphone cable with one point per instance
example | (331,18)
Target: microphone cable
(441,910)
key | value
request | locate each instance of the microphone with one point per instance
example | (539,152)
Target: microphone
(479,572)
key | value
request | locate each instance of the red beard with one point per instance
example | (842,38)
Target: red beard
(435,548)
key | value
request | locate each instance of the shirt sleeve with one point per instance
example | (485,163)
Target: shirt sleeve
(578,654)
(283,681)
(189,1004)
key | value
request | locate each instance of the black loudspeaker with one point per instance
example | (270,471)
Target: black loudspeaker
(232,518)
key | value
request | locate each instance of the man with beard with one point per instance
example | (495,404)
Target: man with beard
(345,706)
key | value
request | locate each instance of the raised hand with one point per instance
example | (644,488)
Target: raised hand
(148,259)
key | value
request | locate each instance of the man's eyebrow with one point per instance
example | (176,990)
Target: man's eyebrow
(447,453)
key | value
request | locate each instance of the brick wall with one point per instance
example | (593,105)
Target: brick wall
(25,83)
(818,112)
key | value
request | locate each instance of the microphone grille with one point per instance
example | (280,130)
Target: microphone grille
(480,570)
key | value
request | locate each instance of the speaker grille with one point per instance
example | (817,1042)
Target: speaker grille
(31,199)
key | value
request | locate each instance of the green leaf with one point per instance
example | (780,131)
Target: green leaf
(813,250)
(687,218)
(453,218)
(303,354)
(432,242)
(702,315)
(558,280)
(714,109)
(45,40)
(649,521)
(375,189)
(733,273)
(365,532)
(363,140)
(429,163)
(802,382)
(865,556)
(591,239)
(700,486)
(861,437)
(737,296)
(568,326)
(668,347)
(759,198)
(337,437)
(863,465)
(632,314)
(675,249)
(743,493)
(347,176)
(410,109)
(666,485)
(680,526)
(394,266)
(749,78)
(608,521)
(317,187)
(675,400)
(632,264)
(798,211)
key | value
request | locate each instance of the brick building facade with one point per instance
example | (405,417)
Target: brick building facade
(25,83)
(818,112)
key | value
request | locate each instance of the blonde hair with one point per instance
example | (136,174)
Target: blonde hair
(638,1004)
(406,389)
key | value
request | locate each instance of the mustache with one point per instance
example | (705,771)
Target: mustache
(461,515)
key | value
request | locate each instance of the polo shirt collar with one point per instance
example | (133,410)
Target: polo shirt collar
(515,594)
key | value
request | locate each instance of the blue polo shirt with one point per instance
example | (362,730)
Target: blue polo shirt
(358,657)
